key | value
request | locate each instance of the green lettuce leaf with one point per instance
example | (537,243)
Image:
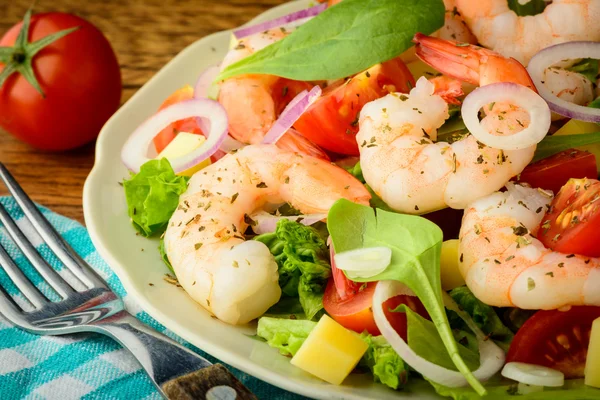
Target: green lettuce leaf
(484,316)
(587,67)
(163,255)
(384,363)
(302,257)
(153,195)
(286,335)
(532,7)
(416,247)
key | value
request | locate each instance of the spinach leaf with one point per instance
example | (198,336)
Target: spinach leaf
(533,7)
(344,40)
(153,195)
(416,247)
(555,144)
(587,67)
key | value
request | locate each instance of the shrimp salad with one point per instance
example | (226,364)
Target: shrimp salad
(399,187)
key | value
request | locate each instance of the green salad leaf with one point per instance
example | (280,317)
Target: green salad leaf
(344,40)
(286,335)
(153,195)
(163,255)
(532,7)
(587,67)
(483,315)
(303,260)
(416,247)
(595,103)
(384,363)
(551,145)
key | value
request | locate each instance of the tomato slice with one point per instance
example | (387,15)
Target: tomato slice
(356,312)
(553,172)
(571,224)
(185,125)
(332,121)
(555,339)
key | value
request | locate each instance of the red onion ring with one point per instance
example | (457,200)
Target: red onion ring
(279,22)
(291,114)
(267,223)
(491,356)
(205,81)
(512,93)
(555,54)
(134,152)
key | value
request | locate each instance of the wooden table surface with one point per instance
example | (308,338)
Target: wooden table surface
(145,34)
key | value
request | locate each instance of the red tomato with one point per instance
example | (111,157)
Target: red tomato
(284,91)
(571,224)
(332,121)
(356,312)
(555,339)
(79,75)
(553,172)
(185,125)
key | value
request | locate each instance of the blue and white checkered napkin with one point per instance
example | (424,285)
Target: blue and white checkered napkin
(87,366)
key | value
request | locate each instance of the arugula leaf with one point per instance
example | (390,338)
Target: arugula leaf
(416,247)
(302,257)
(344,40)
(384,363)
(287,335)
(533,7)
(555,144)
(587,67)
(483,315)
(153,195)
(163,255)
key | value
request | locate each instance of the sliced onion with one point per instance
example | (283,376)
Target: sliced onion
(365,262)
(291,114)
(515,94)
(279,22)
(134,152)
(553,55)
(205,82)
(490,355)
(230,144)
(531,374)
(266,223)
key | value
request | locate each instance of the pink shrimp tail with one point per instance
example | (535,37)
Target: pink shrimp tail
(448,88)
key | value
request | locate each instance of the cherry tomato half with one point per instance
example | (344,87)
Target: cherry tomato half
(555,339)
(571,225)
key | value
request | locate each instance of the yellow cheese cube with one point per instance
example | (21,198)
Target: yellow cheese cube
(592,364)
(574,127)
(183,144)
(449,271)
(330,352)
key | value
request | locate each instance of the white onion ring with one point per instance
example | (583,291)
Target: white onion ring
(134,152)
(539,114)
(267,223)
(291,114)
(553,55)
(279,22)
(491,356)
(205,81)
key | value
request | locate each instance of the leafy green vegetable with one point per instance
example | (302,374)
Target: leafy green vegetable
(533,7)
(484,316)
(385,364)
(555,144)
(425,340)
(287,335)
(595,103)
(514,318)
(302,257)
(416,247)
(163,255)
(587,67)
(344,40)
(153,195)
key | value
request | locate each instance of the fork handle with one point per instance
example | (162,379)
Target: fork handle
(177,372)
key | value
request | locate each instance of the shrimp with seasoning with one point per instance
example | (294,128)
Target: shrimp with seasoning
(235,279)
(504,265)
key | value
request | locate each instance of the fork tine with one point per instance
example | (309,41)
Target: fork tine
(20,280)
(57,244)
(9,308)
(45,270)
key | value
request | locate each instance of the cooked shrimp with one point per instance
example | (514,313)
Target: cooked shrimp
(504,265)
(234,279)
(499,28)
(455,27)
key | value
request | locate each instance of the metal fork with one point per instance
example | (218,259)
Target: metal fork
(177,372)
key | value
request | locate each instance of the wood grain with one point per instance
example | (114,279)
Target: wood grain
(145,34)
